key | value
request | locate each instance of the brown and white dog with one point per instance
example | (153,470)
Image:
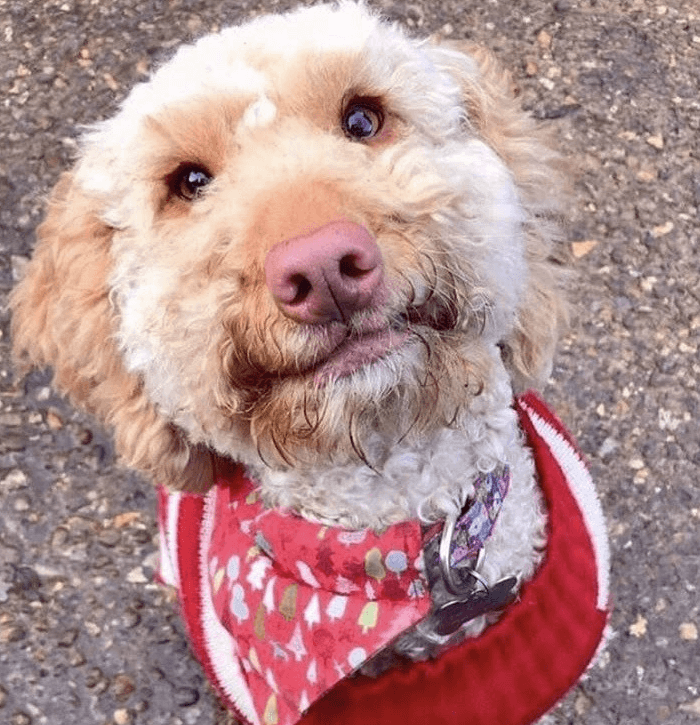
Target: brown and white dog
(320,248)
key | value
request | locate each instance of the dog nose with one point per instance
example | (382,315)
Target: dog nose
(326,275)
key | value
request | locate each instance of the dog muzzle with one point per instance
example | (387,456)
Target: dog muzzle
(281,610)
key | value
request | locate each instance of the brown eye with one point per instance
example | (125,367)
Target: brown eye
(188,181)
(362,120)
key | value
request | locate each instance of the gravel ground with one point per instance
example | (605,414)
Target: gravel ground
(85,637)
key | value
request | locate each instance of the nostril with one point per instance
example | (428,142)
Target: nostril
(302,288)
(350,266)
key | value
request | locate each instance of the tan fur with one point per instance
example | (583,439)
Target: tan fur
(63,318)
(543,180)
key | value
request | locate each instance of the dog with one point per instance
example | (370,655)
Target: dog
(331,254)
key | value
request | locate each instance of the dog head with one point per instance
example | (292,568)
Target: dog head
(298,231)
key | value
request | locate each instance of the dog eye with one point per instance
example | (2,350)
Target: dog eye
(188,181)
(362,120)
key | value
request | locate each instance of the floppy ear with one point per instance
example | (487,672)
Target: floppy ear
(63,318)
(542,179)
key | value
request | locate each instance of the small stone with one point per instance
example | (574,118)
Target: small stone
(126,519)
(60,537)
(122,717)
(109,537)
(20,718)
(544,39)
(14,480)
(111,82)
(131,619)
(53,419)
(93,678)
(662,230)
(136,576)
(582,704)
(663,713)
(639,628)
(12,633)
(22,503)
(67,637)
(93,629)
(13,443)
(122,687)
(688,631)
(692,707)
(76,658)
(646,176)
(531,68)
(656,141)
(581,249)
(85,436)
(186,696)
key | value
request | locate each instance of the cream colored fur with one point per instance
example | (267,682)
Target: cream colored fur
(154,313)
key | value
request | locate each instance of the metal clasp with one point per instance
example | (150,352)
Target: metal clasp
(455,585)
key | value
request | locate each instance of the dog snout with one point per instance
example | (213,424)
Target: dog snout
(326,275)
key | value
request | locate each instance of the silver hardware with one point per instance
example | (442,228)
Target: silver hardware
(456,585)
(472,596)
(452,615)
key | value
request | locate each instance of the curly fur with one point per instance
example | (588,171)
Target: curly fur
(154,313)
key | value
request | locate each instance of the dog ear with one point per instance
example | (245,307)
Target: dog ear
(494,112)
(63,318)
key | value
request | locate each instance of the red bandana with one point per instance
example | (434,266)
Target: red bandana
(280,610)
(309,603)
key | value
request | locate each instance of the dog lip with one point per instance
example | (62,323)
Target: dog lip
(359,349)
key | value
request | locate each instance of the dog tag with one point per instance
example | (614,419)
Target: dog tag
(452,615)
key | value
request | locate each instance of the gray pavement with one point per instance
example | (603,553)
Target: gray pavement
(85,637)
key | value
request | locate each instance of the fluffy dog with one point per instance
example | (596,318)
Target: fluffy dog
(324,250)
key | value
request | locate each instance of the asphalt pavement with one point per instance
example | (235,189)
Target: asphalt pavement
(87,637)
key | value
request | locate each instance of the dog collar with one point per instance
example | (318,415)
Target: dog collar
(285,608)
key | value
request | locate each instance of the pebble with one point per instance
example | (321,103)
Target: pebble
(688,631)
(544,39)
(67,637)
(14,480)
(662,230)
(122,687)
(691,707)
(581,249)
(656,141)
(22,503)
(136,576)
(186,696)
(109,537)
(53,419)
(12,633)
(639,627)
(122,717)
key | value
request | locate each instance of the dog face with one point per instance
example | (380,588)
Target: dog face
(301,232)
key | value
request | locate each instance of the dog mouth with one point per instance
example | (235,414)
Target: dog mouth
(359,349)
(350,349)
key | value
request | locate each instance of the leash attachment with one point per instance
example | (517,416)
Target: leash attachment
(460,554)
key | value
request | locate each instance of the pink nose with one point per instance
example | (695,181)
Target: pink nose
(326,275)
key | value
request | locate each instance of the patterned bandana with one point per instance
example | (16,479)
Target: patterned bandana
(309,603)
